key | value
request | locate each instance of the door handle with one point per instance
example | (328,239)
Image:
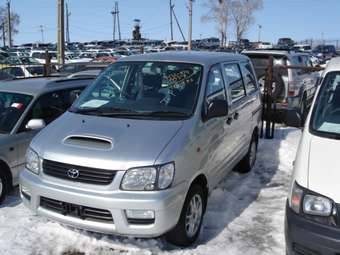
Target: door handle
(236,115)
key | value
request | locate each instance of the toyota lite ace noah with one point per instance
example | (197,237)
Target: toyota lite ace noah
(139,151)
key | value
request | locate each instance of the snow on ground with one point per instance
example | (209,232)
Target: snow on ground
(245,215)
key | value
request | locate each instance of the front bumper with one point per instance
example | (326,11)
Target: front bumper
(305,237)
(167,204)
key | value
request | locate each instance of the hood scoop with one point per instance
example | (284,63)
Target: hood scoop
(89,142)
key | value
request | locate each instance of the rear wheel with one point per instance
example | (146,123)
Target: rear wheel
(3,186)
(249,160)
(188,227)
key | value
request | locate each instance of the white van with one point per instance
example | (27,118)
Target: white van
(313,207)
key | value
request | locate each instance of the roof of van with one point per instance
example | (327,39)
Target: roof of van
(273,52)
(333,65)
(35,86)
(197,57)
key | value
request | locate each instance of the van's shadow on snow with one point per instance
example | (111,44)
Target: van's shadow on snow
(237,192)
(13,199)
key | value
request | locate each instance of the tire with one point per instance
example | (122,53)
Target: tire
(249,160)
(278,87)
(181,235)
(3,187)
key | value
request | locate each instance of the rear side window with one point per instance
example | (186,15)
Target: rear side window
(249,78)
(234,79)
(51,105)
(215,85)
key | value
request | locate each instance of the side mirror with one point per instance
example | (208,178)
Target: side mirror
(217,108)
(35,124)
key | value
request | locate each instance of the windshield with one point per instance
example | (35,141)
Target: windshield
(326,115)
(12,107)
(153,89)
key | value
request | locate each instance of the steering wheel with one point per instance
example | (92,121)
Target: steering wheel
(112,81)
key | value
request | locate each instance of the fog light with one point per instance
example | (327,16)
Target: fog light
(140,214)
(25,192)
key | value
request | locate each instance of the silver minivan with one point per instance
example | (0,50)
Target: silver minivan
(139,151)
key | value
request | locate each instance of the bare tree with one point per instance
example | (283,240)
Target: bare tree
(242,14)
(219,12)
(15,21)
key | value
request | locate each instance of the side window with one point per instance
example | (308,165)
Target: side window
(215,86)
(51,105)
(16,71)
(234,79)
(249,78)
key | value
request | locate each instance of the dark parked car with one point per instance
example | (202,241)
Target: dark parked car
(285,43)
(325,52)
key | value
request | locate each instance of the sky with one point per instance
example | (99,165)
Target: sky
(92,19)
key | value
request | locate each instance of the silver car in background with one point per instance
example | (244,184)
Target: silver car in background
(26,106)
(142,147)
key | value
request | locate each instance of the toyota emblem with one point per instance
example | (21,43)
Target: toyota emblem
(73,173)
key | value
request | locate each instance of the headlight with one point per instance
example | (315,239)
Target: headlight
(317,205)
(306,202)
(296,198)
(166,175)
(32,161)
(149,178)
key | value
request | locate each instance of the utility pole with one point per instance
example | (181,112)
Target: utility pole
(68,14)
(171,22)
(190,26)
(114,23)
(61,32)
(42,33)
(9,23)
(3,34)
(259,36)
(117,10)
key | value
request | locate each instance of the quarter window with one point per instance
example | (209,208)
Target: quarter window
(215,86)
(249,78)
(234,79)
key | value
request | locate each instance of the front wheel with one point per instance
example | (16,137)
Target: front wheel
(188,227)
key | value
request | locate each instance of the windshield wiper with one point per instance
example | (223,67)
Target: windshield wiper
(105,111)
(166,114)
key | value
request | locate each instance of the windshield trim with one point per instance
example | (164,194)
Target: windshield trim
(73,109)
(311,129)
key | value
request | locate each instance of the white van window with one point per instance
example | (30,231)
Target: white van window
(326,114)
(235,81)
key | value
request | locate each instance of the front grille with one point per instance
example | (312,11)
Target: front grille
(78,211)
(85,174)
